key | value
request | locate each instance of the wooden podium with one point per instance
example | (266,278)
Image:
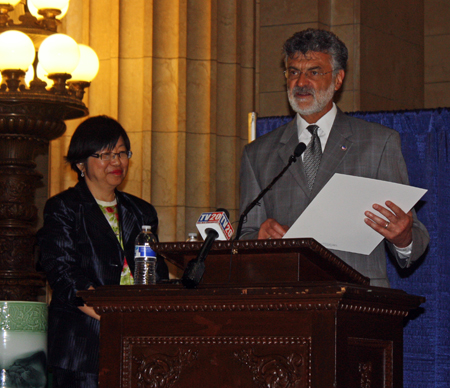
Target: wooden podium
(268,313)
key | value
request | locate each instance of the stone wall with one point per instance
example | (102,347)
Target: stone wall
(385,43)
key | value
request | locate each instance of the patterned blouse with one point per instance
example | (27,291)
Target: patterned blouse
(109,209)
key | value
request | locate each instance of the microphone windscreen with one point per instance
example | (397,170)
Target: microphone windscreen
(217,221)
(301,147)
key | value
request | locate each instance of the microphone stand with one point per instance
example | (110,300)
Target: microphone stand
(196,267)
(292,159)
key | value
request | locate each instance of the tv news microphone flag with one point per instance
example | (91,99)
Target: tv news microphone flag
(218,221)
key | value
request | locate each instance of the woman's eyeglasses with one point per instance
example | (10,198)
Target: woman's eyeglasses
(107,156)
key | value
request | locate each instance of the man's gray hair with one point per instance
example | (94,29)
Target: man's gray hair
(319,41)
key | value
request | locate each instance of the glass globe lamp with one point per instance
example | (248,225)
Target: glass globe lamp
(85,72)
(5,7)
(49,4)
(12,3)
(29,75)
(59,54)
(35,12)
(16,55)
(88,65)
(16,51)
(42,75)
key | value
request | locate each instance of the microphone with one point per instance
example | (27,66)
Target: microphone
(212,226)
(301,147)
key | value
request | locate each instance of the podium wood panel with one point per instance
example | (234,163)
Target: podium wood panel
(277,262)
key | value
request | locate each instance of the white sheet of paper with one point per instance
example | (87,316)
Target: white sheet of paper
(335,218)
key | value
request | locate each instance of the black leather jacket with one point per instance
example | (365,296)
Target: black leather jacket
(78,249)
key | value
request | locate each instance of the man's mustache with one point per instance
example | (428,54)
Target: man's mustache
(303,90)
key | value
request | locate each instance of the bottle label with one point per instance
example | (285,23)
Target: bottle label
(144,251)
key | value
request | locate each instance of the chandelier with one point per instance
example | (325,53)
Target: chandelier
(44,75)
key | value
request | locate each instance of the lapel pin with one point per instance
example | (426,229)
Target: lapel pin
(343,148)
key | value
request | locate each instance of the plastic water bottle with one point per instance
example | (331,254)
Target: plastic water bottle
(145,257)
(192,237)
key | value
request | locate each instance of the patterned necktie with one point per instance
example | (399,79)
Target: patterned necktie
(312,156)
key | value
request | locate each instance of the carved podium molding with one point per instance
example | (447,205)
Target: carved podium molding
(159,362)
(372,361)
(274,370)
(279,306)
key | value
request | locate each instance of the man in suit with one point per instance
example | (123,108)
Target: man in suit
(337,143)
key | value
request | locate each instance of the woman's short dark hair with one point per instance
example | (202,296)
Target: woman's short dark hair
(92,135)
(319,41)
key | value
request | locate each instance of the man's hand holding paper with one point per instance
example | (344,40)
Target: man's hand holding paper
(334,218)
(398,228)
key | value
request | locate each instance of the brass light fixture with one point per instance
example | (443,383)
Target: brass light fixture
(30,116)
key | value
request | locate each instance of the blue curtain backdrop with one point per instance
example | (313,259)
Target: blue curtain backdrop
(425,138)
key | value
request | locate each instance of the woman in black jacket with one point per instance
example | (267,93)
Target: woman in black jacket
(88,241)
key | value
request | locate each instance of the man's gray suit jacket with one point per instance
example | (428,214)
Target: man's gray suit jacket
(354,147)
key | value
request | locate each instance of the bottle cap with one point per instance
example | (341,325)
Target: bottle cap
(146,227)
(192,237)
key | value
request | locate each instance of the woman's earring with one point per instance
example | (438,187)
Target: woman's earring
(82,174)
